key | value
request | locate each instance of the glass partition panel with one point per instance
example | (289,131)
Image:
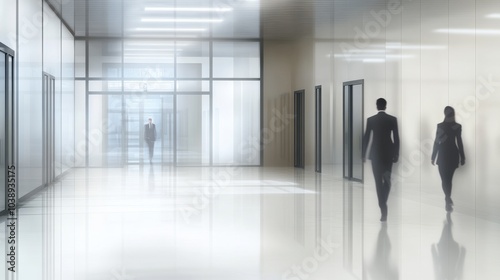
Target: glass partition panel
(105,86)
(193,129)
(105,130)
(241,22)
(160,68)
(166,129)
(133,123)
(193,86)
(236,122)
(148,86)
(80,59)
(193,59)
(80,124)
(68,100)
(30,155)
(148,60)
(105,58)
(236,60)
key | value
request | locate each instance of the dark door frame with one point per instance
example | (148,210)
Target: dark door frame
(299,133)
(9,151)
(318,112)
(350,85)
(48,100)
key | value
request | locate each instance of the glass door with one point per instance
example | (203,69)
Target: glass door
(193,130)
(136,114)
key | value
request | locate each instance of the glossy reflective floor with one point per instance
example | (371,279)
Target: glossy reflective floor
(153,222)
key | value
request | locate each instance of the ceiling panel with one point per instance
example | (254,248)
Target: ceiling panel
(270,19)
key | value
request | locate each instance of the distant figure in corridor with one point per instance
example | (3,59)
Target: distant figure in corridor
(448,136)
(383,153)
(150,137)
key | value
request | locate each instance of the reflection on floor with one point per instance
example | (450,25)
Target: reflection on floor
(153,222)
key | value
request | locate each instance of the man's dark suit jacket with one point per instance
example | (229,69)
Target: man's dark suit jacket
(383,149)
(448,135)
(150,133)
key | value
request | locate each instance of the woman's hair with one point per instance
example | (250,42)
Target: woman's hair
(449,114)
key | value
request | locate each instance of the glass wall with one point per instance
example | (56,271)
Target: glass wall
(46,46)
(203,96)
(236,122)
(67,101)
(30,102)
(193,115)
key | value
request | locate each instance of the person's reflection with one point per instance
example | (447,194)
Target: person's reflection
(381,266)
(448,255)
(151,177)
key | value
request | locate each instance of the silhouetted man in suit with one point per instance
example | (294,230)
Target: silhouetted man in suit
(383,153)
(150,137)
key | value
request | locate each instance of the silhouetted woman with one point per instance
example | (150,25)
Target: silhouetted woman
(448,136)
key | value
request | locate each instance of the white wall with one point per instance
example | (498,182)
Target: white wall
(278,100)
(287,68)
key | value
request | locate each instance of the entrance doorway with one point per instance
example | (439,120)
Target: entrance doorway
(7,135)
(182,127)
(317,117)
(353,129)
(299,149)
(135,116)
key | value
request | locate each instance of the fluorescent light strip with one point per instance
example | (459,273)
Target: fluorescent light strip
(469,31)
(366,51)
(373,60)
(151,50)
(493,16)
(167,36)
(148,55)
(170,29)
(159,45)
(186,9)
(181,20)
(415,47)
(375,57)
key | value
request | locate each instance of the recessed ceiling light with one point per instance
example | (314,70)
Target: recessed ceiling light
(469,31)
(373,60)
(397,46)
(150,50)
(493,16)
(186,9)
(154,44)
(170,29)
(183,20)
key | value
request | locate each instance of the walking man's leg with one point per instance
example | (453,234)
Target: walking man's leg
(378,172)
(151,149)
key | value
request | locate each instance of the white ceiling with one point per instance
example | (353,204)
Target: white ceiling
(269,19)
